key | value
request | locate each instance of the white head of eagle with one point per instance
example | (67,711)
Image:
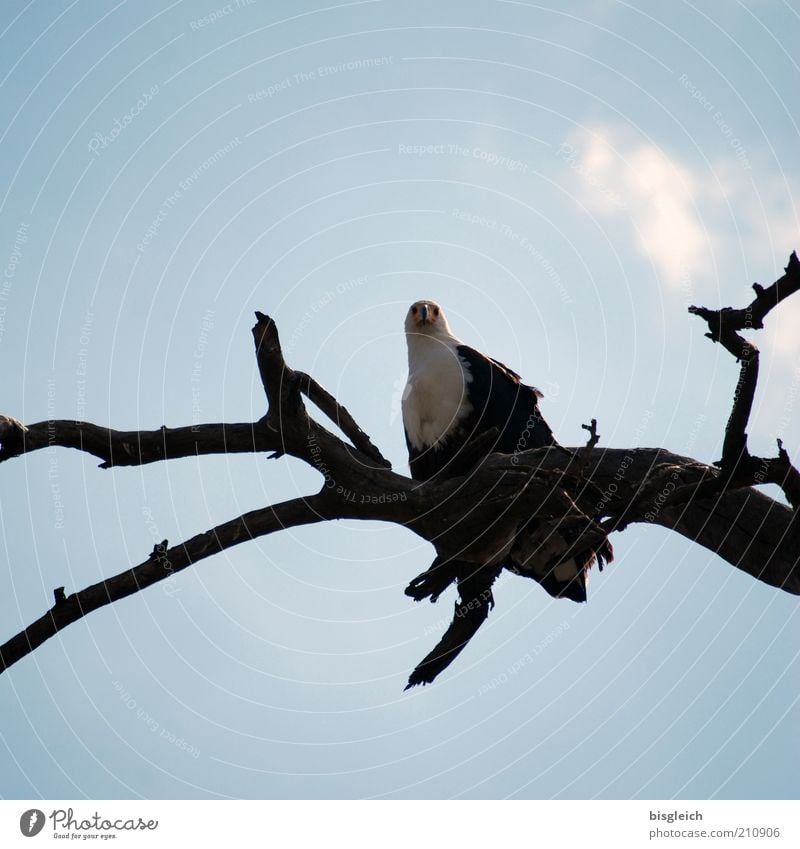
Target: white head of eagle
(453,395)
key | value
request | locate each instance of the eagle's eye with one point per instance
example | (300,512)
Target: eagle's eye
(436,310)
(413,310)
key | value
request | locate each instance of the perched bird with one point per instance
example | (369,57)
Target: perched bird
(455,396)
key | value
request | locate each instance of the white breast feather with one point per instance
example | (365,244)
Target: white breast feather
(435,398)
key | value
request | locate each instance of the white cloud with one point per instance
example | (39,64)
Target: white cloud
(657,195)
(720,224)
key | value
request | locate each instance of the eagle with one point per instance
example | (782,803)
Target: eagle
(456,400)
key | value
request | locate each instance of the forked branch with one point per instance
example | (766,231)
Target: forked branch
(739,467)
(467,519)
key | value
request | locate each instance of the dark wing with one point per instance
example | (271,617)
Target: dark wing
(500,399)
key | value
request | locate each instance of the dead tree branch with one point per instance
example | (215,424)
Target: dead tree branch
(138,447)
(163,563)
(470,520)
(738,466)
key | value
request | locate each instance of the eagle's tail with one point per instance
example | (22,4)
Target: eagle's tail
(548,556)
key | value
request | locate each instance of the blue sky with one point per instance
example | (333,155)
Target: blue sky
(565,179)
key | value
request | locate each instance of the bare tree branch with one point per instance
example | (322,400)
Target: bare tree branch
(138,447)
(594,436)
(739,467)
(338,414)
(724,323)
(470,520)
(161,564)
